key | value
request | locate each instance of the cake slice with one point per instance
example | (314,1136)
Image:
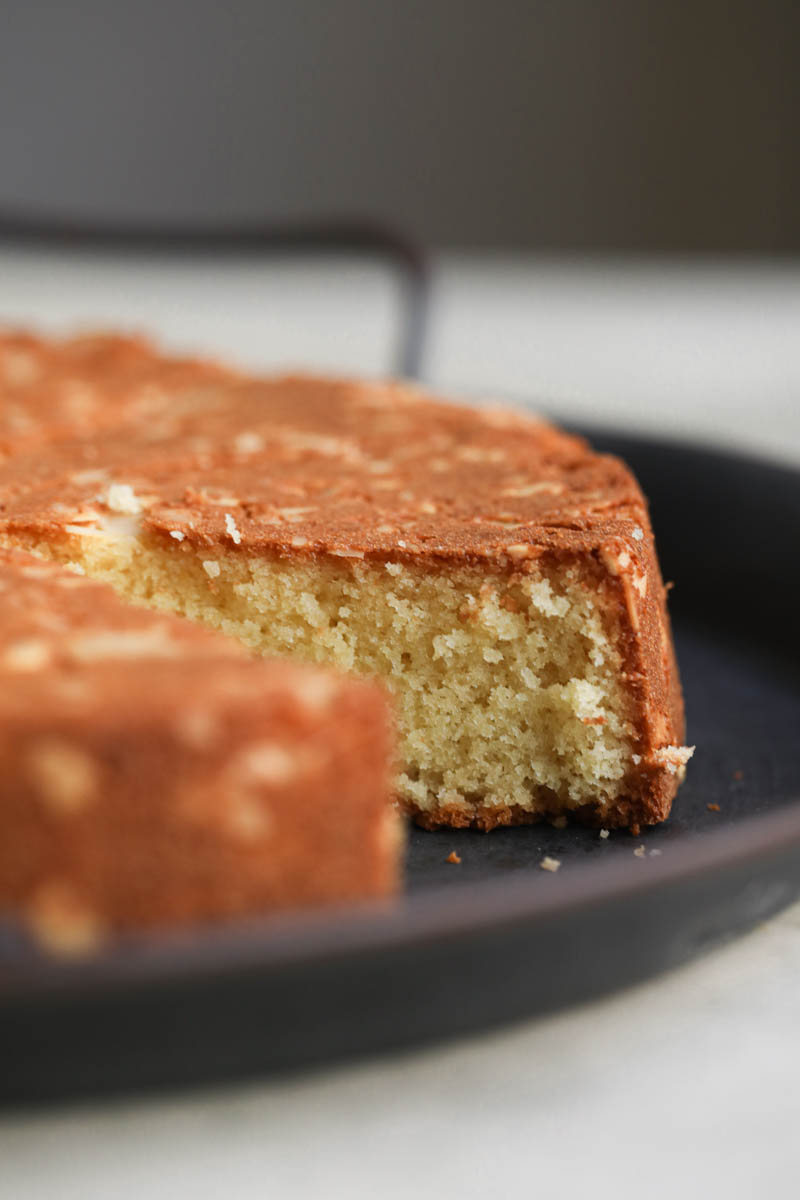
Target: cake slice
(496,573)
(155,774)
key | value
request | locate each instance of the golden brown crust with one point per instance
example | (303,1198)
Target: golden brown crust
(153,773)
(301,468)
(80,386)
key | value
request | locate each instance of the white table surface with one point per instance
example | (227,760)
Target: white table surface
(688,1085)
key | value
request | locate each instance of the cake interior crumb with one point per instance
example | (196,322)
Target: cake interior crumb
(507,688)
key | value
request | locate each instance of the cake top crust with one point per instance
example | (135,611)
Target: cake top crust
(293,464)
(52,389)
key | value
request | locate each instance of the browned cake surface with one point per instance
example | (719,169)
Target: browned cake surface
(154,773)
(56,389)
(306,471)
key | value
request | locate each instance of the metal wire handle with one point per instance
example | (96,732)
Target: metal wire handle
(407,259)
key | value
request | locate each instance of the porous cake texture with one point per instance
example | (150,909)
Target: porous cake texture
(497,574)
(154,774)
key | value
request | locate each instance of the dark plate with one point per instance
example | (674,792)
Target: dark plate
(495,938)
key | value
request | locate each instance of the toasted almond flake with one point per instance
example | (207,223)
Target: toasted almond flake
(220,501)
(532,489)
(66,778)
(614,560)
(93,475)
(230,528)
(347,553)
(316,691)
(248,442)
(122,643)
(520,550)
(295,513)
(28,654)
(121,498)
(37,571)
(176,515)
(269,762)
(177,535)
(116,526)
(550,864)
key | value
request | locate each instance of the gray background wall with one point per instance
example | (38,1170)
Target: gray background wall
(636,124)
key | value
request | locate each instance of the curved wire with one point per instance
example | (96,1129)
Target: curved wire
(349,236)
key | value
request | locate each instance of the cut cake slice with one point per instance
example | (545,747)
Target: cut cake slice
(155,774)
(499,575)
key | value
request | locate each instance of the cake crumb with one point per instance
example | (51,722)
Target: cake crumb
(453,857)
(713,808)
(550,864)
(673,757)
(604,834)
(654,853)
(639,852)
(177,535)
(211,568)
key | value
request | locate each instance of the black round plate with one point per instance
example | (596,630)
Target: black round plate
(494,938)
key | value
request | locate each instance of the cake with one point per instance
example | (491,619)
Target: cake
(498,575)
(155,774)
